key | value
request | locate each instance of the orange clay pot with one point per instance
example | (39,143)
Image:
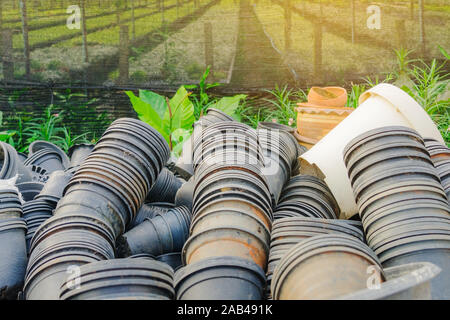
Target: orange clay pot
(324,110)
(328,97)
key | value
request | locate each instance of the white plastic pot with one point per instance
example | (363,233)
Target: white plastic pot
(383,105)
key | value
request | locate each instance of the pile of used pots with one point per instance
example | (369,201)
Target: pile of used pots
(237,212)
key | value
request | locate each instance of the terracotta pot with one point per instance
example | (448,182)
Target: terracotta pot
(314,122)
(328,96)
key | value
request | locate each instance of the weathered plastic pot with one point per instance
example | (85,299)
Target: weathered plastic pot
(53,189)
(49,159)
(405,282)
(319,225)
(122,279)
(70,223)
(226,241)
(129,157)
(44,282)
(239,204)
(246,202)
(143,256)
(218,218)
(38,145)
(440,287)
(13,257)
(150,211)
(128,203)
(78,153)
(235,186)
(10,164)
(30,189)
(323,267)
(185,194)
(383,105)
(220,278)
(165,187)
(164,233)
(10,205)
(313,191)
(118,182)
(173,259)
(95,200)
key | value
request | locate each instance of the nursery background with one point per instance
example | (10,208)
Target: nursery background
(69,61)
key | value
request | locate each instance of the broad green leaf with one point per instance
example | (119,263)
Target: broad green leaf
(148,115)
(157,102)
(229,105)
(182,111)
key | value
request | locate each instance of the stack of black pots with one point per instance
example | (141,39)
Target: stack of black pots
(52,190)
(29,190)
(280,154)
(47,155)
(185,194)
(13,253)
(139,278)
(35,213)
(287,232)
(325,267)
(440,155)
(10,165)
(165,233)
(184,164)
(307,196)
(165,187)
(288,134)
(232,214)
(78,153)
(149,211)
(403,207)
(99,202)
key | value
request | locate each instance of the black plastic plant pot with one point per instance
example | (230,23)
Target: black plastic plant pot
(405,282)
(78,153)
(49,159)
(150,211)
(185,194)
(45,281)
(38,145)
(328,265)
(30,189)
(71,223)
(53,189)
(440,285)
(164,233)
(222,278)
(13,257)
(97,201)
(173,259)
(165,187)
(122,279)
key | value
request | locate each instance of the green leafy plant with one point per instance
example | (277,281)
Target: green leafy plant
(200,97)
(353,97)
(5,136)
(45,128)
(69,140)
(173,118)
(284,106)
